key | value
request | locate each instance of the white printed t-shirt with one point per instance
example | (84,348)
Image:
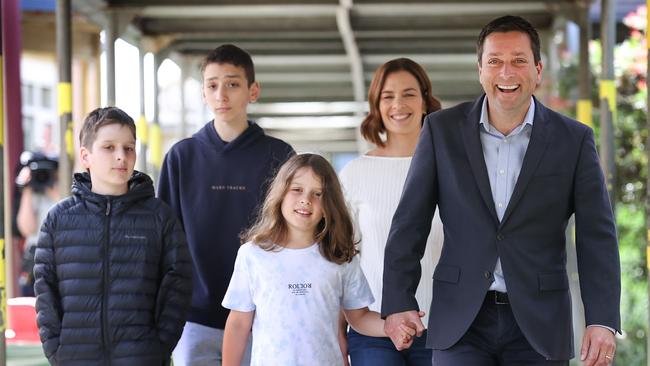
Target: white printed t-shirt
(296,295)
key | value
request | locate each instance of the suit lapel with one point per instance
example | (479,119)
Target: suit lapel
(474,149)
(536,148)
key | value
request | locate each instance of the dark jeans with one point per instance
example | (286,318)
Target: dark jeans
(494,338)
(374,351)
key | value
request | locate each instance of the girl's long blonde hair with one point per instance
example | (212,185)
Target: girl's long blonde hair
(334,232)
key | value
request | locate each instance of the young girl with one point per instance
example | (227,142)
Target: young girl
(295,273)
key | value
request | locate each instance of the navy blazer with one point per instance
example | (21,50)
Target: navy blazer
(560,176)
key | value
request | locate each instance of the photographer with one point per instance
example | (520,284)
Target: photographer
(37,181)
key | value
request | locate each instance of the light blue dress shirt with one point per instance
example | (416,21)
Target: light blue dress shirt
(504,156)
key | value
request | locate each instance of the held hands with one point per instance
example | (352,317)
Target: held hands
(401,327)
(598,346)
(406,333)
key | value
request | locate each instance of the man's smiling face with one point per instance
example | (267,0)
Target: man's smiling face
(508,72)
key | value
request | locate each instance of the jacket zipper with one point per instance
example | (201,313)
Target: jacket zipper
(106,342)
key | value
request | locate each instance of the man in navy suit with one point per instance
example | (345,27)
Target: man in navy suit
(506,174)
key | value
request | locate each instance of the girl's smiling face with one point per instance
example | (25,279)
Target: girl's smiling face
(302,206)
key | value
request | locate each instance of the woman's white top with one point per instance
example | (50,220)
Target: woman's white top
(373,186)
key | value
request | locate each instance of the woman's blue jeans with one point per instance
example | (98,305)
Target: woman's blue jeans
(373,351)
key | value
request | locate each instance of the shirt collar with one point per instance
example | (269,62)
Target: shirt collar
(528,118)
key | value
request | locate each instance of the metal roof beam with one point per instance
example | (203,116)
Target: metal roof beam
(300,60)
(312,10)
(303,77)
(352,51)
(448,9)
(247,35)
(416,33)
(426,59)
(280,47)
(243,11)
(306,109)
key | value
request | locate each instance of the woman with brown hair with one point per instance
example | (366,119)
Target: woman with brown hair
(399,98)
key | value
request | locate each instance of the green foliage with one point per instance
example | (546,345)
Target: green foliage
(631,135)
(634,298)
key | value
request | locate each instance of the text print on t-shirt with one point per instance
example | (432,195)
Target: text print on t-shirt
(299,289)
(228,187)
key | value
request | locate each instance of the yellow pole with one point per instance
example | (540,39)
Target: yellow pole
(155,150)
(5,253)
(584,108)
(3,273)
(64,93)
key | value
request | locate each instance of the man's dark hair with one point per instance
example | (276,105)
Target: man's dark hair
(231,54)
(99,118)
(510,23)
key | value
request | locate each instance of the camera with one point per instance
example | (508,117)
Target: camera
(43,170)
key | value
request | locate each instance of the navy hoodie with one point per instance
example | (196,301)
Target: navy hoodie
(215,188)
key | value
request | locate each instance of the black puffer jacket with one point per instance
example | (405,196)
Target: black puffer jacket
(113,278)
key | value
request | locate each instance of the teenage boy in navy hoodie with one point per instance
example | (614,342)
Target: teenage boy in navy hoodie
(214,181)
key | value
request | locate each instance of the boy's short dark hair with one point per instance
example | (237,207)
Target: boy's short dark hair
(231,54)
(101,117)
(510,23)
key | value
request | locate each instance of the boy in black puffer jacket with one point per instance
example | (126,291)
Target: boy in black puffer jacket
(112,268)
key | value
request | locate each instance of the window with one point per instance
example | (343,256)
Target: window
(28,94)
(46,97)
(28,131)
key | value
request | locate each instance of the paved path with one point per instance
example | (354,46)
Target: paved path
(25,355)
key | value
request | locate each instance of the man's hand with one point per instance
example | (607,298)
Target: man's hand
(598,346)
(24,177)
(392,328)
